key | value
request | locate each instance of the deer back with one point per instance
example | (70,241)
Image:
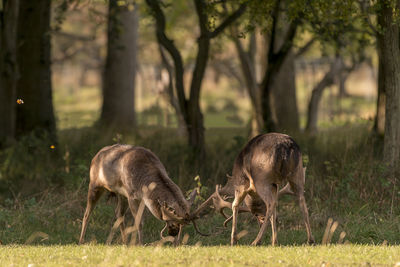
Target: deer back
(272,155)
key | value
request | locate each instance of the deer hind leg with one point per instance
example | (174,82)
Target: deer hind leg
(240,194)
(270,196)
(299,192)
(94,194)
(137,213)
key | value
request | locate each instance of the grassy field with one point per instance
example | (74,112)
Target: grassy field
(43,193)
(100,255)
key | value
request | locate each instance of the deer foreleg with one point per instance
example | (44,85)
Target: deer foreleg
(137,209)
(93,196)
(239,197)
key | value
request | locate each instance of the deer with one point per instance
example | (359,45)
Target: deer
(266,162)
(137,174)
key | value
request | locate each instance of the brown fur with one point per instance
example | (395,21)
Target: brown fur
(132,172)
(266,162)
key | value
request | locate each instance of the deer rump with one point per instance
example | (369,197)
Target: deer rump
(267,161)
(137,174)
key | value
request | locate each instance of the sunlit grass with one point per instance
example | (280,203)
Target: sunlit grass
(100,255)
(76,109)
(81,107)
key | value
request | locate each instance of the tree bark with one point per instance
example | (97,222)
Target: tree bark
(389,53)
(195,121)
(316,96)
(33,56)
(247,65)
(8,70)
(118,110)
(379,123)
(283,92)
(275,58)
(284,99)
(169,93)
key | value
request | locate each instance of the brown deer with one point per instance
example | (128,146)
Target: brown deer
(266,162)
(137,174)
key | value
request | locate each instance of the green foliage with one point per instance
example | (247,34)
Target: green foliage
(26,165)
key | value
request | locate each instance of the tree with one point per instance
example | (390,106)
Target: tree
(8,69)
(277,54)
(190,107)
(33,57)
(389,53)
(276,113)
(168,91)
(271,111)
(316,95)
(379,122)
(248,67)
(283,94)
(118,110)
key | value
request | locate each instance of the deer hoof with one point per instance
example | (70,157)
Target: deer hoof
(254,243)
(311,242)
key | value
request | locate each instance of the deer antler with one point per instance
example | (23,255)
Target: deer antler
(241,210)
(192,196)
(202,207)
(197,229)
(163,230)
(219,203)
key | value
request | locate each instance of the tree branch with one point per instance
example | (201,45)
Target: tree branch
(172,50)
(275,16)
(364,5)
(288,42)
(305,48)
(229,20)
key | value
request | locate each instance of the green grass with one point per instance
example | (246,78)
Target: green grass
(345,181)
(45,189)
(100,255)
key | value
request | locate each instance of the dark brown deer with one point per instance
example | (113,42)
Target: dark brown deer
(137,174)
(266,162)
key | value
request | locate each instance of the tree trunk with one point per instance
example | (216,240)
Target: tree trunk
(248,69)
(389,53)
(118,110)
(379,124)
(8,70)
(278,51)
(33,56)
(195,122)
(169,93)
(316,96)
(191,107)
(284,99)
